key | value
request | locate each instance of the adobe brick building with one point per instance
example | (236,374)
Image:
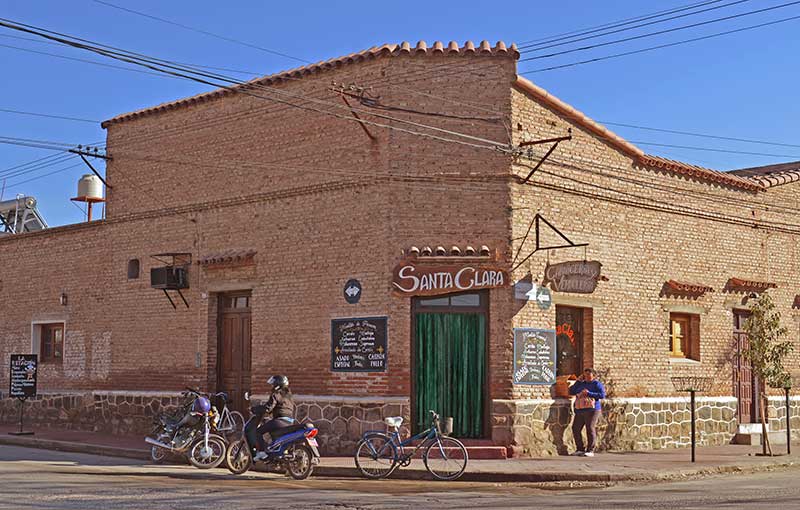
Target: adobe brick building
(273,198)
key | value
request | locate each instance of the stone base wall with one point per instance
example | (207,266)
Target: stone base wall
(777,415)
(543,427)
(123,413)
(342,421)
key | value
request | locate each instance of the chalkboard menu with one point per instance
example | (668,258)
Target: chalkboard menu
(23,375)
(359,344)
(534,356)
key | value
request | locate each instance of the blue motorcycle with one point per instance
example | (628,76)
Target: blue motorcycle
(294,450)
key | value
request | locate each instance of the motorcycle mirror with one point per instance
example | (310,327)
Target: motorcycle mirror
(247,395)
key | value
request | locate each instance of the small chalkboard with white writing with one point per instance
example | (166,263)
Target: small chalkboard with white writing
(22,383)
(534,356)
(359,344)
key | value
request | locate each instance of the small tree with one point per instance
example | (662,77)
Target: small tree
(766,351)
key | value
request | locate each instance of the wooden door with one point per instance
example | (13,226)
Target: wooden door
(569,340)
(744,388)
(233,362)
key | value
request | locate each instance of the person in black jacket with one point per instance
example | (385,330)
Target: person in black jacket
(280,405)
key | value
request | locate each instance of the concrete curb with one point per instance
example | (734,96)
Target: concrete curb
(421,474)
(65,446)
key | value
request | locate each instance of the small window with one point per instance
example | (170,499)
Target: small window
(51,345)
(133,269)
(469,300)
(684,336)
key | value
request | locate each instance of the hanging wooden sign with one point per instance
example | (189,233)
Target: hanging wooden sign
(414,279)
(578,276)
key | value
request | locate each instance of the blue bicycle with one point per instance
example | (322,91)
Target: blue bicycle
(378,454)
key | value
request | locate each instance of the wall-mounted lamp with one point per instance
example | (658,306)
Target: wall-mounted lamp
(63,298)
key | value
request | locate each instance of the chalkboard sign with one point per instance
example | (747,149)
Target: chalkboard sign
(359,344)
(23,375)
(534,356)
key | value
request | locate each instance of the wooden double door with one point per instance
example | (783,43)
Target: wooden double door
(234,366)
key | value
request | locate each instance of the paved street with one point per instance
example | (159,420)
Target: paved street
(34,479)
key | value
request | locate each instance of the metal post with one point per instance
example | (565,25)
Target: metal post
(21,414)
(788,424)
(692,392)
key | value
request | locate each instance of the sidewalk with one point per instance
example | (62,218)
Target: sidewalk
(660,465)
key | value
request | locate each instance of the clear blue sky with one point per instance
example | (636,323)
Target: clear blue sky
(742,85)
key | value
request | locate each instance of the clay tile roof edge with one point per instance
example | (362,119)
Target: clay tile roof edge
(688,287)
(628,148)
(404,48)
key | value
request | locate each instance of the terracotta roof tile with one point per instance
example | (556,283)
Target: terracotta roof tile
(628,148)
(228,257)
(743,285)
(699,172)
(771,175)
(375,52)
(688,288)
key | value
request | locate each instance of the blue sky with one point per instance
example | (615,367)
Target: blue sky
(742,85)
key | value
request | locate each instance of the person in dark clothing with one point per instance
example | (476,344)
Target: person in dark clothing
(588,393)
(281,407)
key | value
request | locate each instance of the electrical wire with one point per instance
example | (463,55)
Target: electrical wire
(709,149)
(200,31)
(702,135)
(661,32)
(204,77)
(614,24)
(660,46)
(634,27)
(50,116)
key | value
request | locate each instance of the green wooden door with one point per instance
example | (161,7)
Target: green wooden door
(450,370)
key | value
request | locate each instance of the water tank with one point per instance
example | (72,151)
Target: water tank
(90,186)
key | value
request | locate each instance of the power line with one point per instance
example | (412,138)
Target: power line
(204,77)
(634,27)
(660,46)
(702,135)
(200,31)
(613,24)
(226,69)
(50,116)
(660,32)
(75,59)
(709,149)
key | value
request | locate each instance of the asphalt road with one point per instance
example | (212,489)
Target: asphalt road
(38,479)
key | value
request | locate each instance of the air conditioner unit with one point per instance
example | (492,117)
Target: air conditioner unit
(169,278)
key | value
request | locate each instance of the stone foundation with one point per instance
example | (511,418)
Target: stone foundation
(342,420)
(123,413)
(542,427)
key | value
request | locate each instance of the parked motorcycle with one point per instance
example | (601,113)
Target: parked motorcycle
(195,438)
(294,450)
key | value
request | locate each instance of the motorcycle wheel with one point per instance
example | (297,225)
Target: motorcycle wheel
(157,455)
(237,458)
(203,458)
(299,461)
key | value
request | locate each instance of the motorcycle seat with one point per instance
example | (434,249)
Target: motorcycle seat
(287,430)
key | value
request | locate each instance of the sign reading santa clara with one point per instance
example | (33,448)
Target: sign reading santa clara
(413,279)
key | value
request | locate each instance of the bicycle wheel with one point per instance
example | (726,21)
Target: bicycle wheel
(445,458)
(376,456)
(238,423)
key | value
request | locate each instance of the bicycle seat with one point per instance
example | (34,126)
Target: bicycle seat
(393,421)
